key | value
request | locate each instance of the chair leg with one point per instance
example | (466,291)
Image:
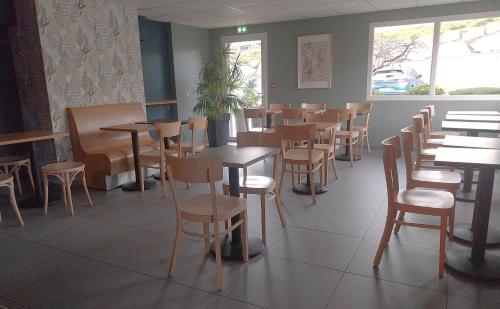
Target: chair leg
(323,170)
(18,180)
(206,239)
(13,203)
(334,166)
(141,177)
(384,240)
(401,217)
(351,157)
(283,169)
(277,200)
(312,185)
(218,260)
(244,236)
(163,180)
(68,192)
(263,201)
(362,145)
(293,175)
(46,194)
(177,240)
(30,175)
(442,244)
(63,192)
(86,189)
(367,142)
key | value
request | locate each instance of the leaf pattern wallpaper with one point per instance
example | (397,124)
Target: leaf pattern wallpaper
(91,54)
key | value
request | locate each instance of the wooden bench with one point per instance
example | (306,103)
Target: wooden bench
(106,154)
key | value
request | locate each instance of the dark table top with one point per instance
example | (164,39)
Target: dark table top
(492,127)
(471,142)
(240,157)
(28,136)
(473,113)
(468,157)
(476,118)
(161,120)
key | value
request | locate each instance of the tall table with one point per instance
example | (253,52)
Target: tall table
(474,118)
(472,129)
(134,129)
(473,113)
(31,138)
(476,262)
(234,158)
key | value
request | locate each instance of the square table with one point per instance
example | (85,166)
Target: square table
(234,158)
(134,129)
(473,113)
(31,137)
(472,129)
(474,118)
(471,142)
(476,262)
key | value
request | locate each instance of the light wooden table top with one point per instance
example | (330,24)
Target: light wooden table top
(320,126)
(473,113)
(128,127)
(28,136)
(468,157)
(474,118)
(471,142)
(491,127)
(240,157)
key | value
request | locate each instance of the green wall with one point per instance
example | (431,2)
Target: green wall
(350,61)
(191,49)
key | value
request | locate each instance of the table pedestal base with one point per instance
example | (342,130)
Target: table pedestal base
(232,251)
(469,197)
(132,186)
(464,235)
(305,189)
(345,157)
(459,260)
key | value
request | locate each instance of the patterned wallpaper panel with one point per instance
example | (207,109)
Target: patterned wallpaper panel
(91,55)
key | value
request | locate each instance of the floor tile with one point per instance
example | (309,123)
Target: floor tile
(226,303)
(460,302)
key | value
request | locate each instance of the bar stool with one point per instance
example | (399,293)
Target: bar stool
(66,172)
(7,181)
(12,165)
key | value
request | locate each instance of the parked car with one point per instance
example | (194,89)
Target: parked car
(395,81)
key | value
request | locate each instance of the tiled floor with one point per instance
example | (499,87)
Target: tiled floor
(115,255)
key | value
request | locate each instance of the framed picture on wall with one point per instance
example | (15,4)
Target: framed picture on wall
(314,55)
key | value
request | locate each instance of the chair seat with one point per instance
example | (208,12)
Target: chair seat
(255,184)
(442,134)
(186,147)
(154,155)
(430,152)
(435,141)
(444,177)
(62,167)
(356,128)
(323,147)
(300,155)
(5,178)
(199,208)
(425,201)
(345,134)
(13,160)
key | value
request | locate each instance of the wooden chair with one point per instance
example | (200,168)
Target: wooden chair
(437,134)
(256,113)
(417,201)
(366,110)
(429,142)
(422,154)
(291,115)
(313,106)
(13,164)
(7,181)
(210,208)
(263,186)
(301,156)
(156,158)
(66,172)
(327,148)
(433,179)
(195,124)
(347,135)
(278,108)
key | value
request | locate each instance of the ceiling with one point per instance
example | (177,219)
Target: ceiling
(224,13)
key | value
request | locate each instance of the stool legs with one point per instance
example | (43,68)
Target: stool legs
(68,190)
(86,189)
(13,203)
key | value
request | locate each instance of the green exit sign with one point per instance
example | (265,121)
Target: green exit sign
(241,29)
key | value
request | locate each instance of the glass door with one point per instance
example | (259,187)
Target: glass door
(252,51)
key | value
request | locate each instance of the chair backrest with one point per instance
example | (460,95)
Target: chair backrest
(325,117)
(364,108)
(165,130)
(408,138)
(391,151)
(259,139)
(343,114)
(194,169)
(426,119)
(297,133)
(418,124)
(313,106)
(255,113)
(297,114)
(279,106)
(198,124)
(432,114)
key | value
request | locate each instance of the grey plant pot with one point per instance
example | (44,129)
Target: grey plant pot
(218,131)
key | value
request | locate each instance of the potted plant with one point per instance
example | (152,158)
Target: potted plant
(219,94)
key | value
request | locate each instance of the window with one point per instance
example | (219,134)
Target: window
(456,58)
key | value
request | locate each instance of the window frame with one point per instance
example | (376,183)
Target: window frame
(435,51)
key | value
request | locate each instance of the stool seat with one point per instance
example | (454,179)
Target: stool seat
(5,178)
(7,181)
(13,160)
(63,167)
(12,165)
